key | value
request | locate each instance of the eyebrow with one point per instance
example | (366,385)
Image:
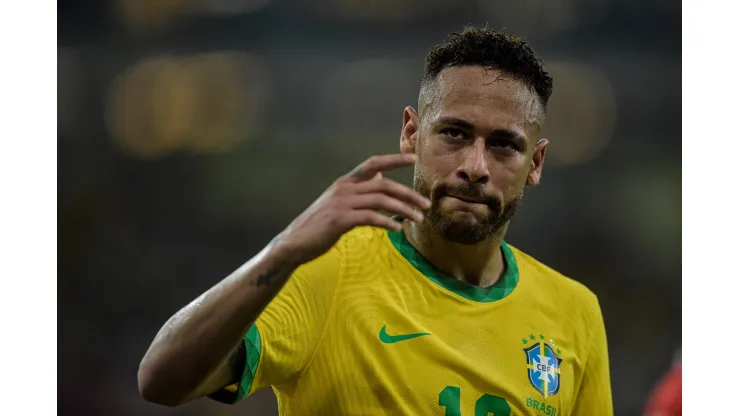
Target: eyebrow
(454,121)
(499,133)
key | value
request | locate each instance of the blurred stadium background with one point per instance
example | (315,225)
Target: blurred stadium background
(192,131)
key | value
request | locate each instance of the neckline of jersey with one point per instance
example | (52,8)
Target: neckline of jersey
(499,290)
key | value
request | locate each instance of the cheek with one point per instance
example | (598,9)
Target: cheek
(436,163)
(510,175)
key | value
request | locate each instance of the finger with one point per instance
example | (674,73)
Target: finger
(395,190)
(369,168)
(372,218)
(385,203)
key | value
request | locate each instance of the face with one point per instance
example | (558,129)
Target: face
(477,145)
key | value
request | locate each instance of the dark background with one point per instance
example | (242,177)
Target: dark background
(190,132)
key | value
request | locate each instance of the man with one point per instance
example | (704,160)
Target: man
(430,311)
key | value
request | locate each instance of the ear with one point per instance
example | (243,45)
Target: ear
(538,159)
(409,131)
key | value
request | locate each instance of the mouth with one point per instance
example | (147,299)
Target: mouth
(468,200)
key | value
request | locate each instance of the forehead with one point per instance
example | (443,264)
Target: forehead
(488,99)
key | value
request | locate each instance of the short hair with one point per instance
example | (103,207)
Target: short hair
(491,50)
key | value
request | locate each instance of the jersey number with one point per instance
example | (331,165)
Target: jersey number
(449,398)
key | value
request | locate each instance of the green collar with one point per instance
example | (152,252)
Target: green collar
(502,288)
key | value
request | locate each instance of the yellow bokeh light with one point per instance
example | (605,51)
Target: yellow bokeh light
(136,124)
(203,103)
(229,98)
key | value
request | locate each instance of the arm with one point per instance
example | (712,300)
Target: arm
(197,352)
(200,350)
(595,393)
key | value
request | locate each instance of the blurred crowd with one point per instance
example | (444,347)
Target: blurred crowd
(192,131)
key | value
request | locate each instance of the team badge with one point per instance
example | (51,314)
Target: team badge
(543,365)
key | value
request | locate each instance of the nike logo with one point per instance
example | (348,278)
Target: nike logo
(390,339)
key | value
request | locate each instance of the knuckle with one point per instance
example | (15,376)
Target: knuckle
(371,162)
(358,170)
(382,186)
(362,217)
(367,217)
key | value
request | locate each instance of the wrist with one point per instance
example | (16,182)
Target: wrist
(283,252)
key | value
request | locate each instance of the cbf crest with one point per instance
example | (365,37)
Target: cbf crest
(543,365)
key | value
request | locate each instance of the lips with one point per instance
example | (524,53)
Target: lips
(468,200)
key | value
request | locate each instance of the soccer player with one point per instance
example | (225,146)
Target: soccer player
(381,299)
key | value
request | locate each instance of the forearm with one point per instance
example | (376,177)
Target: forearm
(192,345)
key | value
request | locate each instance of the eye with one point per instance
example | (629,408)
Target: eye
(504,144)
(453,133)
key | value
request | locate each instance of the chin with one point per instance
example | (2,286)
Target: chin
(462,227)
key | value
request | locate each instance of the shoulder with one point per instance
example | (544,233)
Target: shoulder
(552,283)
(355,245)
(362,241)
(364,235)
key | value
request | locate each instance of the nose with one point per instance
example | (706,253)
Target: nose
(473,167)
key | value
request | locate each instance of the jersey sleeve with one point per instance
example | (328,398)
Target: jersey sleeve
(595,394)
(281,343)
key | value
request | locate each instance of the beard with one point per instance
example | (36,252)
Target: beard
(469,229)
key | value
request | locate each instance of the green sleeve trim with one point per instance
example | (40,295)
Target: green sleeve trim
(253,345)
(235,392)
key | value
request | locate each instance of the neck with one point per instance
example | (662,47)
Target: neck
(481,264)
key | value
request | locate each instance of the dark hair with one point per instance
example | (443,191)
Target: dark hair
(492,50)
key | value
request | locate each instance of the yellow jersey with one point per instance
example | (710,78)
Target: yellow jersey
(372,328)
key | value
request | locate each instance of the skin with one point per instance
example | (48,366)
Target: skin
(198,350)
(478,138)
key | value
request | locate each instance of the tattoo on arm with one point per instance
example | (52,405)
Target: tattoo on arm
(265,278)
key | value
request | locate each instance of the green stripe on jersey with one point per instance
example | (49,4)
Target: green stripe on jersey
(254,347)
